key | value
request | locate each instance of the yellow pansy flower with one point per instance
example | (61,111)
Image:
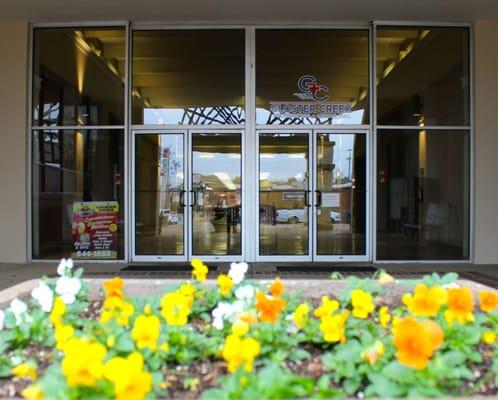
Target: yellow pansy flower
(62,335)
(425,301)
(200,270)
(333,327)
(489,337)
(384,316)
(188,290)
(128,376)
(148,309)
(225,284)
(118,309)
(110,342)
(373,354)
(240,328)
(240,352)
(83,362)
(328,307)
(362,303)
(145,331)
(460,306)
(300,315)
(175,308)
(58,311)
(385,278)
(25,370)
(32,392)
(164,347)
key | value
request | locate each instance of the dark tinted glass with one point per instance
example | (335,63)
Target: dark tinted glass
(422,195)
(311,76)
(188,77)
(78,203)
(423,76)
(78,77)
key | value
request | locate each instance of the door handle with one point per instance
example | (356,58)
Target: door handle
(307,198)
(182,198)
(318,198)
(194,198)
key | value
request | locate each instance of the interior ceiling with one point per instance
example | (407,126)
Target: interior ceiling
(248,10)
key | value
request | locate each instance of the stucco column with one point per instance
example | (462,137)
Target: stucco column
(13,142)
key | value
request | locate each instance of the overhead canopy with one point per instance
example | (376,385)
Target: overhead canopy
(249,11)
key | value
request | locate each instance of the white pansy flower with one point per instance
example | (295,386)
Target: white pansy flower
(245,293)
(452,285)
(226,312)
(44,296)
(65,266)
(238,271)
(2,320)
(18,308)
(67,288)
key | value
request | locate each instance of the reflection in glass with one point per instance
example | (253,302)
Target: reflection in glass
(422,195)
(283,194)
(423,76)
(188,77)
(71,167)
(337,59)
(159,194)
(341,194)
(216,194)
(78,76)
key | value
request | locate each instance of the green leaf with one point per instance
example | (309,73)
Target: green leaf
(299,354)
(397,372)
(124,344)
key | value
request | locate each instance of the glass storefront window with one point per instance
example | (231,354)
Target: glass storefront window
(78,77)
(78,200)
(423,194)
(423,76)
(314,76)
(188,77)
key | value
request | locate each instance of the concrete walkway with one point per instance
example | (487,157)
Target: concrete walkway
(10,274)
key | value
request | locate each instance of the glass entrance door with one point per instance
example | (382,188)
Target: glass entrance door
(312,196)
(284,195)
(159,189)
(187,191)
(215,195)
(340,188)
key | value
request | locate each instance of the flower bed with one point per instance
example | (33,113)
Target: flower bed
(249,339)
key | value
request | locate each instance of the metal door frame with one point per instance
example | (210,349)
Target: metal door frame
(165,257)
(341,258)
(284,258)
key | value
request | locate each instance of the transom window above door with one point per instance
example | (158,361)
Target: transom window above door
(188,77)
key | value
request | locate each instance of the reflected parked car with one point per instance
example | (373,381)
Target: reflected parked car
(168,215)
(290,216)
(335,217)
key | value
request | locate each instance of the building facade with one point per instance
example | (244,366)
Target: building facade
(323,142)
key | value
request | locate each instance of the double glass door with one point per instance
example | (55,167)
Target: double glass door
(187,202)
(312,195)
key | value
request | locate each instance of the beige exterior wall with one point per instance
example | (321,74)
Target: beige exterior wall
(13,144)
(486,143)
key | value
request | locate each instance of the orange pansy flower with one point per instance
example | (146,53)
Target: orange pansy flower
(425,301)
(488,301)
(114,288)
(460,305)
(269,308)
(416,341)
(277,287)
